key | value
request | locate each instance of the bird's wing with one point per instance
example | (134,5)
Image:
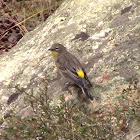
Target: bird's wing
(70,66)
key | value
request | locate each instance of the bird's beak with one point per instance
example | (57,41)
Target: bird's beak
(50,49)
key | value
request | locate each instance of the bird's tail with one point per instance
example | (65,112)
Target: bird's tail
(87,93)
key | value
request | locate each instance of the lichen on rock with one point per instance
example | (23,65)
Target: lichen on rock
(106,39)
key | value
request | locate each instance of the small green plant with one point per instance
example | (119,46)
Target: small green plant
(69,122)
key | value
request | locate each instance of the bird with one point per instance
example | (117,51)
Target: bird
(71,68)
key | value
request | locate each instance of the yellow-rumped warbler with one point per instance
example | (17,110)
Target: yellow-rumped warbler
(70,67)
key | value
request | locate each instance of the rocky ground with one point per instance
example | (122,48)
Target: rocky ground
(106,36)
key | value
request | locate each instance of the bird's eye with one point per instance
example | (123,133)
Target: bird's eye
(56,48)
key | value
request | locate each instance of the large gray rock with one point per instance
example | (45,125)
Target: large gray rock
(104,34)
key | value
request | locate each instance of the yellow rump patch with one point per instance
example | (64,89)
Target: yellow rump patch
(80,73)
(54,54)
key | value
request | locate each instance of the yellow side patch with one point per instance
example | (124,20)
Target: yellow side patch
(54,54)
(80,73)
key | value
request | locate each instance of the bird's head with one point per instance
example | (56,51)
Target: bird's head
(56,49)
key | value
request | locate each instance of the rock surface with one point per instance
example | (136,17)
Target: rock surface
(104,34)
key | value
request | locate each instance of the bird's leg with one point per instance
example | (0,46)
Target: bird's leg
(66,84)
(59,76)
